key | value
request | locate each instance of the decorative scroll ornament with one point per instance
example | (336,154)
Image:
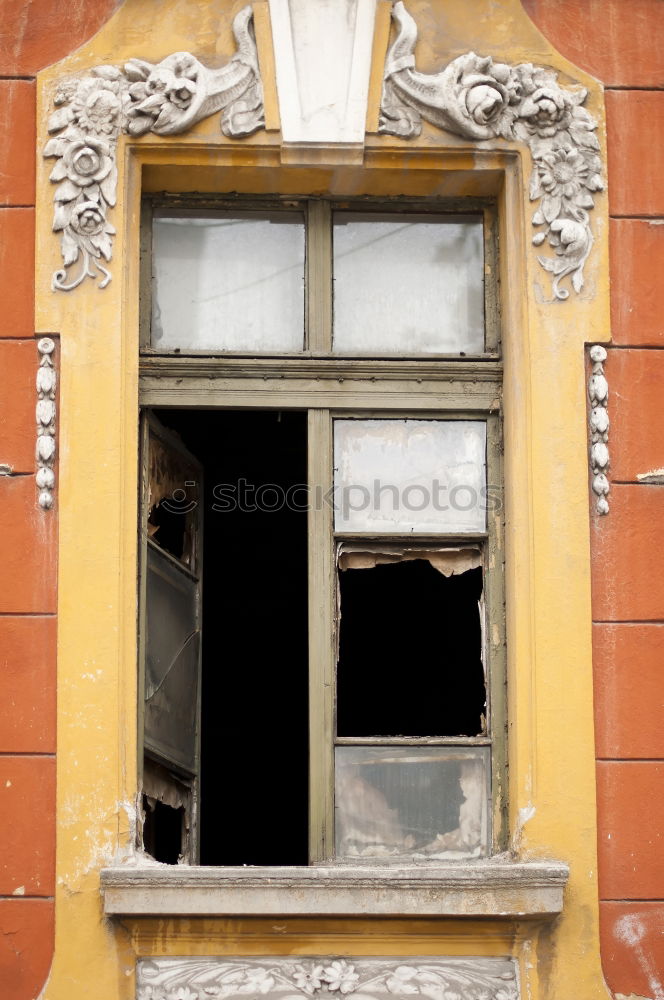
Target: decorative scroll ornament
(45,414)
(167,98)
(598,394)
(301,979)
(477,98)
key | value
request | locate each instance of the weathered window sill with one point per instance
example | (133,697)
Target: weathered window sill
(497,889)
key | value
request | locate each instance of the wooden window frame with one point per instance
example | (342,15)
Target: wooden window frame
(329,386)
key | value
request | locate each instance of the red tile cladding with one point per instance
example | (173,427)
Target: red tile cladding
(26,945)
(17,149)
(27,684)
(27,825)
(618,41)
(630,810)
(636,248)
(632,943)
(628,584)
(17,272)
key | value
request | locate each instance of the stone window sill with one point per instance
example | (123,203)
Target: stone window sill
(490,888)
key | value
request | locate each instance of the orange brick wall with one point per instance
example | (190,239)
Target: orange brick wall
(32,35)
(620,42)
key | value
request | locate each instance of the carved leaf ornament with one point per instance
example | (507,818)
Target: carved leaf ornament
(473,97)
(364,979)
(167,99)
(477,98)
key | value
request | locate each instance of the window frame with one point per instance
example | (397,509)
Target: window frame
(329,386)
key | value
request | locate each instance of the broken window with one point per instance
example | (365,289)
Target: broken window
(321,601)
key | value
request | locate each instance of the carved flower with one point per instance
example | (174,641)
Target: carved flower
(486,99)
(99,112)
(308,979)
(568,237)
(400,980)
(169,88)
(340,976)
(546,112)
(487,91)
(150,993)
(87,219)
(563,172)
(87,161)
(182,993)
(257,981)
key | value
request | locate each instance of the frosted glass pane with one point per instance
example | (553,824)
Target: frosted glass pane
(228,284)
(427,802)
(171,661)
(408,284)
(401,476)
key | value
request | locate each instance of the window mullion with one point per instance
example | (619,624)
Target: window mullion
(495,643)
(319,277)
(321,639)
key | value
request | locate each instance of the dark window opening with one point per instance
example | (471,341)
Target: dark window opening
(254,699)
(163,830)
(410,652)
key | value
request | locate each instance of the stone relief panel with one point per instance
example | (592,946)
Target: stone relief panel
(167,99)
(598,394)
(304,978)
(478,99)
(45,417)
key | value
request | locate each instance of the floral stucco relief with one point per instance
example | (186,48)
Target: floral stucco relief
(480,99)
(92,111)
(300,979)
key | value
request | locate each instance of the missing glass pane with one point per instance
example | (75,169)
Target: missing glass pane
(410,648)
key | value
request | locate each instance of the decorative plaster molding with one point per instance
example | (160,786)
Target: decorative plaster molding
(371,979)
(323,61)
(45,415)
(167,99)
(476,98)
(500,889)
(598,394)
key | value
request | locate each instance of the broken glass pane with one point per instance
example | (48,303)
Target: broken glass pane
(423,802)
(171,662)
(402,476)
(224,283)
(408,284)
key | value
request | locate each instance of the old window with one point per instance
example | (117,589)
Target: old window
(321,603)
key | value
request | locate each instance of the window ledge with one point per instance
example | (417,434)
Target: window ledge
(497,889)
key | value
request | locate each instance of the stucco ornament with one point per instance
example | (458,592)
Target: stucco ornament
(45,417)
(480,99)
(166,99)
(286,979)
(598,394)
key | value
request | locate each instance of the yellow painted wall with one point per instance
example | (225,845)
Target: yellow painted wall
(551,754)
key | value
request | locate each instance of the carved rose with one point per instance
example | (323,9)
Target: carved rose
(340,976)
(485,99)
(88,219)
(308,979)
(87,161)
(545,112)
